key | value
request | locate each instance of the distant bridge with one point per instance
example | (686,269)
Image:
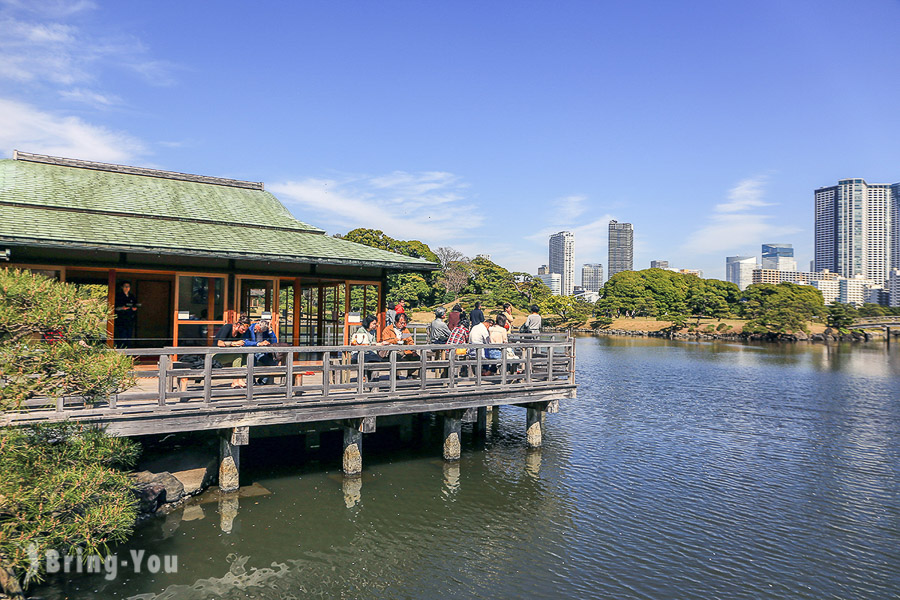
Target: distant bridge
(865,322)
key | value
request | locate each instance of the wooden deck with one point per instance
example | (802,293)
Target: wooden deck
(328,386)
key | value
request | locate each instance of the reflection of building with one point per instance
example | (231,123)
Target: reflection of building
(552,281)
(621,248)
(857,229)
(659,264)
(779,257)
(592,277)
(894,287)
(197,250)
(739,270)
(562,260)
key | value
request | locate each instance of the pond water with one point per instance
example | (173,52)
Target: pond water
(682,470)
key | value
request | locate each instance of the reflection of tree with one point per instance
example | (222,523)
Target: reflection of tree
(199,290)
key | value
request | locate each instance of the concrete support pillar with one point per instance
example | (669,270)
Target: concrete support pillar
(353,430)
(452,429)
(352,464)
(534,427)
(230,457)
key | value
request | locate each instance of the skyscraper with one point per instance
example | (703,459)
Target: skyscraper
(857,227)
(562,260)
(779,257)
(592,277)
(739,270)
(659,264)
(621,247)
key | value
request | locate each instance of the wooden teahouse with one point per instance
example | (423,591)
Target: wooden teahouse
(195,249)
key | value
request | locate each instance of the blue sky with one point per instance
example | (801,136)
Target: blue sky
(485,126)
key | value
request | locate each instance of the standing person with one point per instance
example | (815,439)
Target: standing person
(398,334)
(232,335)
(507,312)
(533,322)
(261,334)
(126,316)
(477,315)
(401,306)
(455,314)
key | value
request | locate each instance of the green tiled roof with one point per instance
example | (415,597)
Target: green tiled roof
(70,206)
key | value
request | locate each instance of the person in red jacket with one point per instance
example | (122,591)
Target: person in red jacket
(400,306)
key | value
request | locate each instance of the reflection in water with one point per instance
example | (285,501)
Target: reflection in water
(682,470)
(451,478)
(533,462)
(229,504)
(352,487)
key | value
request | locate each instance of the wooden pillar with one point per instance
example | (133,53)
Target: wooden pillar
(452,429)
(533,426)
(230,457)
(353,430)
(481,421)
(111,304)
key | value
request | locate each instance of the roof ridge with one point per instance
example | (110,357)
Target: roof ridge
(129,170)
(114,213)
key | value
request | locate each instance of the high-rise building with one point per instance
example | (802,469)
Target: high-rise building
(894,287)
(592,277)
(779,257)
(621,247)
(739,270)
(562,260)
(552,281)
(543,270)
(857,227)
(659,264)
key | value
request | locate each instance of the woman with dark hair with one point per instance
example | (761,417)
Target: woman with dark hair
(455,313)
(507,312)
(366,336)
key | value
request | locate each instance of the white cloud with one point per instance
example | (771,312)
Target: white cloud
(735,228)
(428,206)
(89,97)
(24,127)
(745,195)
(38,47)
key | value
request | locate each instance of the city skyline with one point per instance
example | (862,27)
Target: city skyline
(445,136)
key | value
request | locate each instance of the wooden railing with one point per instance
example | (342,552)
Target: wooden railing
(335,374)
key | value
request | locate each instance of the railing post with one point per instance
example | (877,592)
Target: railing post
(451,373)
(423,360)
(361,359)
(393,382)
(478,355)
(572,361)
(549,363)
(326,373)
(503,366)
(529,364)
(289,376)
(251,362)
(163,378)
(207,378)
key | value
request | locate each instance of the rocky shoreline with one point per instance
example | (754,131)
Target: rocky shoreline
(167,482)
(828,336)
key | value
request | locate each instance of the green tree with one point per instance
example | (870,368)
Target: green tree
(840,315)
(782,308)
(61,487)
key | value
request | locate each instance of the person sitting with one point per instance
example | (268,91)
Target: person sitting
(499,335)
(480,334)
(230,335)
(399,334)
(455,313)
(533,322)
(460,335)
(438,332)
(365,336)
(507,312)
(261,334)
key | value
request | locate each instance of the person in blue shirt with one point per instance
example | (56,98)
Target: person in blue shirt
(261,334)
